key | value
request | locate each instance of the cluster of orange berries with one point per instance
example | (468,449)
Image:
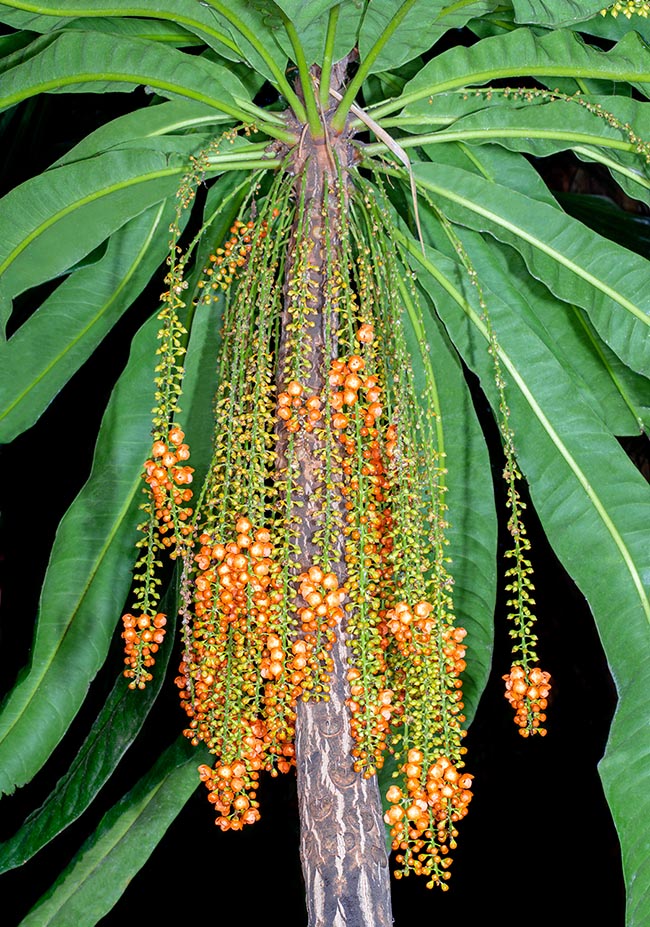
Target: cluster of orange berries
(297,410)
(402,619)
(528,694)
(168,479)
(235,586)
(346,381)
(319,618)
(356,399)
(237,648)
(232,786)
(370,733)
(142,637)
(423,817)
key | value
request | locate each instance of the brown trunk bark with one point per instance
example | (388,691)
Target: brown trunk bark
(343,849)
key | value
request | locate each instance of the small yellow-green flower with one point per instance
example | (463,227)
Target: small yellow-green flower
(628,8)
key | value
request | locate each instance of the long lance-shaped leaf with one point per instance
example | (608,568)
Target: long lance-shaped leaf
(142,127)
(121,845)
(150,29)
(555,13)
(87,580)
(424,23)
(595,508)
(70,324)
(51,15)
(124,712)
(618,396)
(89,61)
(41,218)
(577,265)
(523,53)
(114,730)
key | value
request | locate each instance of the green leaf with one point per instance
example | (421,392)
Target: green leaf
(523,53)
(600,213)
(422,26)
(22,51)
(42,217)
(71,322)
(578,266)
(114,730)
(595,507)
(123,842)
(183,118)
(555,13)
(87,580)
(51,15)
(93,62)
(304,12)
(617,395)
(146,29)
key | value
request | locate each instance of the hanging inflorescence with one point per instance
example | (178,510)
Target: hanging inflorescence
(527,686)
(322,514)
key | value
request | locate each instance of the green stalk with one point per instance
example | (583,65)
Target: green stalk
(237,164)
(415,317)
(342,110)
(457,135)
(283,84)
(328,54)
(313,118)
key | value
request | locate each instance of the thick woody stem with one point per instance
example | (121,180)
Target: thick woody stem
(343,850)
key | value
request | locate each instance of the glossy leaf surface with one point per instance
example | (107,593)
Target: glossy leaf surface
(86,582)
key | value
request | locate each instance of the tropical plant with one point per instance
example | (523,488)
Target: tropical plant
(345,202)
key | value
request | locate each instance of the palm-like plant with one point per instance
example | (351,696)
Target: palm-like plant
(368,225)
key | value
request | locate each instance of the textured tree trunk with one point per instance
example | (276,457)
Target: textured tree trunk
(343,850)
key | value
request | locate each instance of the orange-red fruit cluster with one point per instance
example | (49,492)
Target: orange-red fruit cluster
(319,618)
(298,410)
(346,379)
(377,727)
(528,695)
(142,637)
(231,790)
(235,582)
(232,785)
(423,817)
(402,619)
(168,478)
